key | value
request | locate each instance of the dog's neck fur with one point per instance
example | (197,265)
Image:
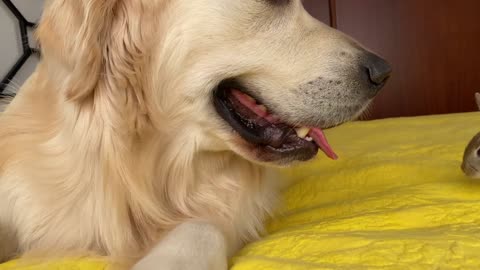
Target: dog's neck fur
(133,174)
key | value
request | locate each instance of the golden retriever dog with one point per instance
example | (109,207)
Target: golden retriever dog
(144,133)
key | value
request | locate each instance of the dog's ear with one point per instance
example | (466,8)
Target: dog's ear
(97,44)
(72,35)
(477,99)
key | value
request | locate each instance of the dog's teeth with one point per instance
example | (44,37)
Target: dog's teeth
(302,132)
(308,138)
(262,108)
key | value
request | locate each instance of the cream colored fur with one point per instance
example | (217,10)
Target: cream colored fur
(3,104)
(113,142)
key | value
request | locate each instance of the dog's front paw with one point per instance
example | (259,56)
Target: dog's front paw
(176,263)
(190,246)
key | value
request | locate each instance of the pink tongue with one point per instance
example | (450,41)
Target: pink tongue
(319,137)
(316,133)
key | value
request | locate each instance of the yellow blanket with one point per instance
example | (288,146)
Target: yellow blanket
(396,199)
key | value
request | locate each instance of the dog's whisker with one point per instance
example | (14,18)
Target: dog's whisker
(367,113)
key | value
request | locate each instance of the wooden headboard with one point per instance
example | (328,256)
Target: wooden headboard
(433,46)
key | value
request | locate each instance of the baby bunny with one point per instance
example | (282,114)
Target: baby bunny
(471,157)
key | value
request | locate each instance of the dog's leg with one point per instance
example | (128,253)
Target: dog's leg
(196,246)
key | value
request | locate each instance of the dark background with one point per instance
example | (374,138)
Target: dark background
(433,46)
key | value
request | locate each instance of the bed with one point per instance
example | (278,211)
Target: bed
(396,199)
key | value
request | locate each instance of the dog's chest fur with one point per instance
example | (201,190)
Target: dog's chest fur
(69,193)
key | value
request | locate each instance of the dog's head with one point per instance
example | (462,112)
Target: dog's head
(261,78)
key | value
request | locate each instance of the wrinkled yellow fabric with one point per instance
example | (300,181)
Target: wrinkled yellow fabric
(56,265)
(396,199)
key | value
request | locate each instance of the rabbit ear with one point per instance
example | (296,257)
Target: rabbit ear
(477,99)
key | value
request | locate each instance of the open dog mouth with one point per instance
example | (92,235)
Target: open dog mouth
(263,129)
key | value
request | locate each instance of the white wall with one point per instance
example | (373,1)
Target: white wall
(10,43)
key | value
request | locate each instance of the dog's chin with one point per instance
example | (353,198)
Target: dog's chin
(261,136)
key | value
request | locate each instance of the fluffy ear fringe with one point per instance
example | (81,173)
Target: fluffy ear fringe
(92,42)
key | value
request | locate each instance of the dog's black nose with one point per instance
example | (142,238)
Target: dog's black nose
(378,71)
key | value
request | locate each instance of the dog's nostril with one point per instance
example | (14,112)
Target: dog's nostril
(478,153)
(378,69)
